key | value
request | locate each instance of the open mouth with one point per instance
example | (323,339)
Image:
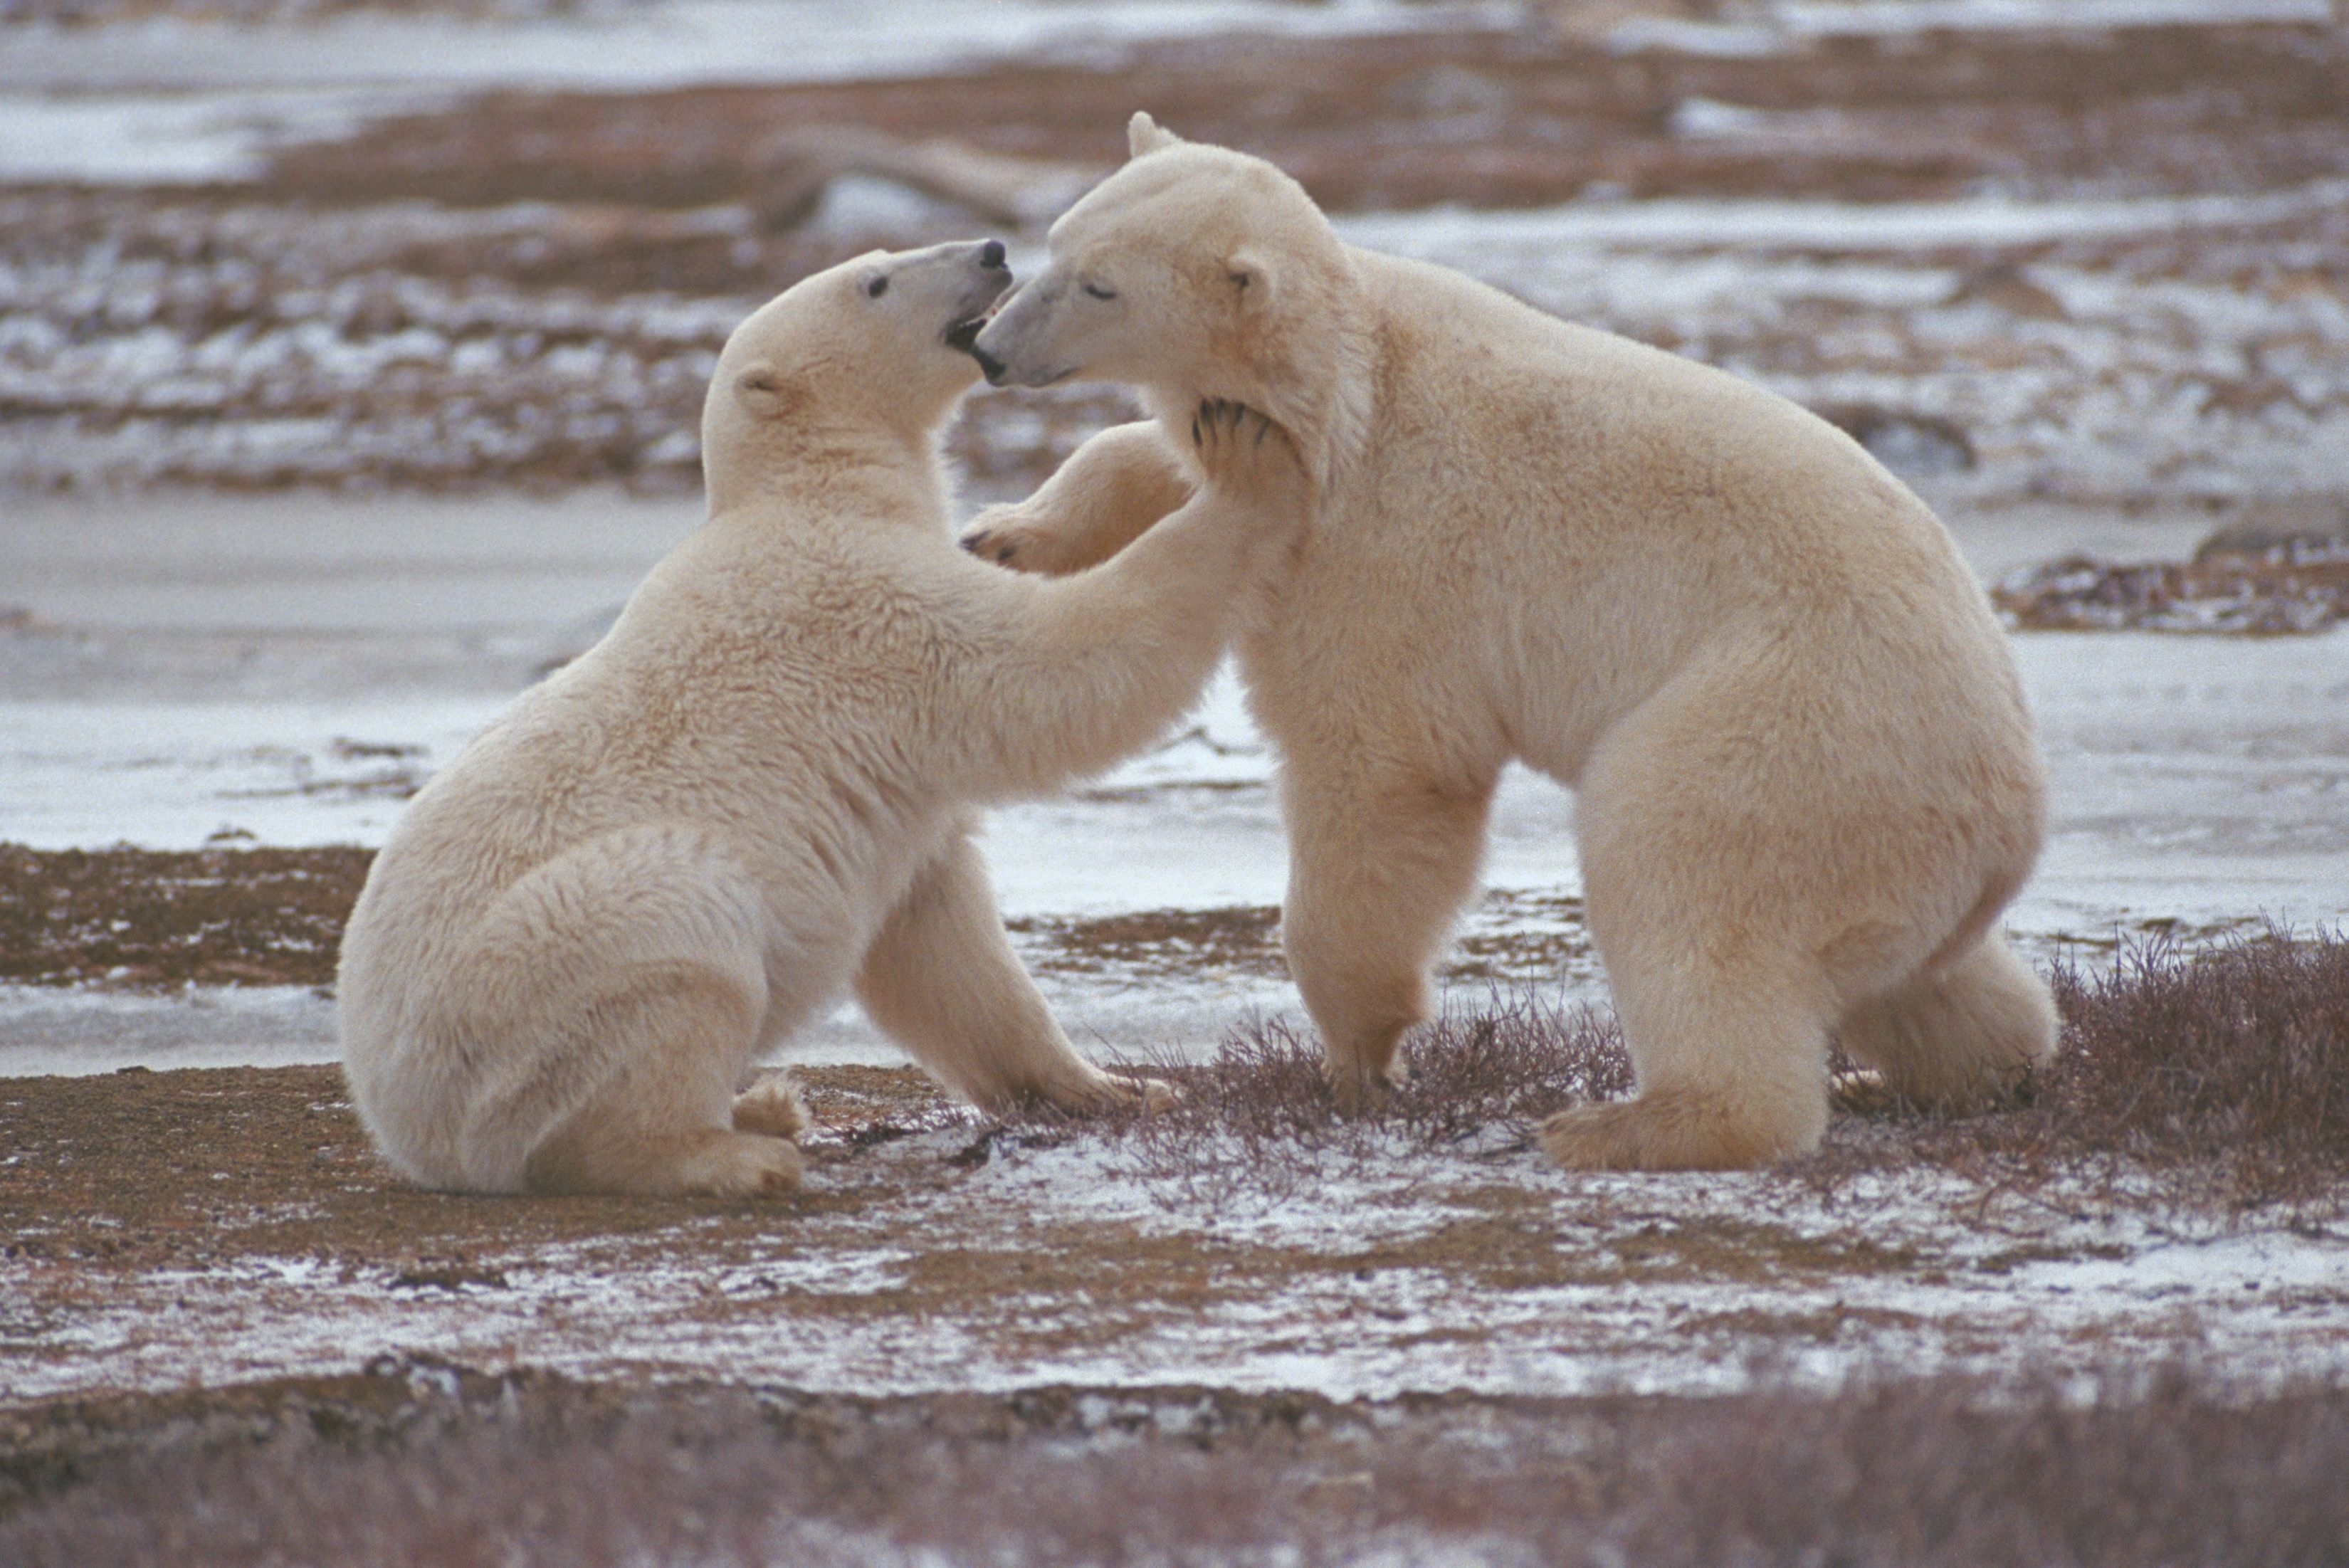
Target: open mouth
(964,335)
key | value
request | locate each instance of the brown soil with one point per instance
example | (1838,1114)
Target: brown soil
(162,918)
(1483,119)
(149,919)
(2278,592)
(143,1169)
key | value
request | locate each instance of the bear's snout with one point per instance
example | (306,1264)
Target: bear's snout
(988,366)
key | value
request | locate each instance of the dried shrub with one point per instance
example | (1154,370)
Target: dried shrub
(430,1464)
(2215,1075)
(1259,1115)
(2219,1073)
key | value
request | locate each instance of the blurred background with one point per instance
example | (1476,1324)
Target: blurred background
(351,359)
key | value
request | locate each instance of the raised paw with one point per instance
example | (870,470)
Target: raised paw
(772,1107)
(1243,451)
(993,536)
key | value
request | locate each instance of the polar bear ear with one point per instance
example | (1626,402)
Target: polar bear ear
(1143,134)
(1249,271)
(764,389)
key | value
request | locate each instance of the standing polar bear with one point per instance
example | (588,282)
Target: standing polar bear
(757,789)
(1807,782)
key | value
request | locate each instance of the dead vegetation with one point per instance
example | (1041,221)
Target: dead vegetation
(2217,1076)
(424,1462)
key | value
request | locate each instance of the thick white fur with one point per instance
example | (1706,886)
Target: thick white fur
(758,789)
(1807,782)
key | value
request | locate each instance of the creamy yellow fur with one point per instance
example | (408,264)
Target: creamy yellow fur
(1806,779)
(757,790)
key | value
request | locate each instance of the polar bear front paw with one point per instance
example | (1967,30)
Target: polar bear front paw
(1246,453)
(995,536)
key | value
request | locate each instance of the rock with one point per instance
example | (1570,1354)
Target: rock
(2006,288)
(1911,445)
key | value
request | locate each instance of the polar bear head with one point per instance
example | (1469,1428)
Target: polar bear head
(1194,272)
(879,345)
(1189,272)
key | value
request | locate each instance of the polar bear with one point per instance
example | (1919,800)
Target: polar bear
(1807,780)
(757,790)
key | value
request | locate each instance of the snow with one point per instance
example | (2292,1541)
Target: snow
(1661,1284)
(668,43)
(1776,26)
(1448,235)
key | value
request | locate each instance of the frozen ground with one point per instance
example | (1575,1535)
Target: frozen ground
(947,1256)
(335,403)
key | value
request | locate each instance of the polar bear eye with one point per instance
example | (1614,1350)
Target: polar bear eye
(878,286)
(1100,293)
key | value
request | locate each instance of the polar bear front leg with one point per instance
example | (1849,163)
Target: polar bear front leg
(1377,875)
(1102,500)
(942,980)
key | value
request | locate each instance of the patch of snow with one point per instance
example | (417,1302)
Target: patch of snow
(1662,1284)
(1848,18)
(178,138)
(1448,233)
(667,43)
(1778,26)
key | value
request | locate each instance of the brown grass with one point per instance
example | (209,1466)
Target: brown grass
(428,1463)
(2218,1075)
(1488,119)
(1261,1114)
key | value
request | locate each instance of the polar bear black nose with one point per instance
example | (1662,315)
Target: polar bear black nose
(990,254)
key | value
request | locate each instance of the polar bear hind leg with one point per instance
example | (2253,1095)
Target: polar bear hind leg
(1731,1073)
(611,999)
(664,1123)
(1959,1037)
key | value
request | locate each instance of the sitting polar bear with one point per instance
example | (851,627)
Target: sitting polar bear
(758,785)
(1807,782)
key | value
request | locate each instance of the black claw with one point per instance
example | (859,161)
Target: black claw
(1194,430)
(1263,428)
